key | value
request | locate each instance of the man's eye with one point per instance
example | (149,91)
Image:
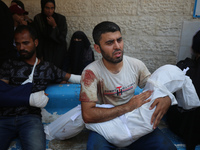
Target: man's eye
(109,42)
(119,40)
(25,43)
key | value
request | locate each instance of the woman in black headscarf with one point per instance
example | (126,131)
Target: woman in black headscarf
(52,31)
(186,123)
(80,53)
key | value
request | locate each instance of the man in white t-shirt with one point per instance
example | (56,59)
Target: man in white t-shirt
(112,80)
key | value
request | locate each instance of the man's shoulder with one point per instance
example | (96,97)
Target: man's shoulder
(38,16)
(95,66)
(47,64)
(15,61)
(60,16)
(132,60)
(94,63)
(135,65)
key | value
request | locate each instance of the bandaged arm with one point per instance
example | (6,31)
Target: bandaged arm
(20,96)
(75,78)
(38,99)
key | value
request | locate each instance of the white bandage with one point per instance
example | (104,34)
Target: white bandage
(38,99)
(75,78)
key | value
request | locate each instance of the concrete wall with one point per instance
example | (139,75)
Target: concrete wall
(189,29)
(151,28)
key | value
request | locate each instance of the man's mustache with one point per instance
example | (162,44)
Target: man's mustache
(23,51)
(117,50)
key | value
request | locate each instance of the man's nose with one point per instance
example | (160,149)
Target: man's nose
(51,11)
(21,47)
(116,45)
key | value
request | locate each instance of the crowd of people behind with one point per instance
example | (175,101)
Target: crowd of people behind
(52,29)
(37,47)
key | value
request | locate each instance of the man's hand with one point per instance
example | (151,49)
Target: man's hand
(139,100)
(51,21)
(23,22)
(20,20)
(162,105)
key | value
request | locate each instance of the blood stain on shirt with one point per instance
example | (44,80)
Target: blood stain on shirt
(88,78)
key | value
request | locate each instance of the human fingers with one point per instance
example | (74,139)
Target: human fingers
(48,18)
(146,101)
(153,104)
(139,100)
(24,22)
(145,94)
(162,104)
(157,120)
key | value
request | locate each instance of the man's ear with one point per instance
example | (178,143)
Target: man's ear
(97,48)
(36,42)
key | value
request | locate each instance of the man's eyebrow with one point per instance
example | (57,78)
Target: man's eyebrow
(49,7)
(25,42)
(119,38)
(109,41)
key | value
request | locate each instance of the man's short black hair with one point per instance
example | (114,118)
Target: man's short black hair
(104,27)
(196,43)
(28,28)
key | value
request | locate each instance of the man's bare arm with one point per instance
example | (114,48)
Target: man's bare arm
(6,81)
(67,76)
(93,114)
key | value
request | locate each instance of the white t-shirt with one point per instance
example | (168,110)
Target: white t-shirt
(100,85)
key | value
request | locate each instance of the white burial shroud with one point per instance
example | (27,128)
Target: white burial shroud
(166,80)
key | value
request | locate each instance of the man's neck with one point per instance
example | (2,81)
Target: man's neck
(113,67)
(31,61)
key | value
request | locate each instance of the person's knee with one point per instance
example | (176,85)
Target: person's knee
(167,146)
(93,141)
(94,146)
(158,140)
(98,142)
(32,134)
